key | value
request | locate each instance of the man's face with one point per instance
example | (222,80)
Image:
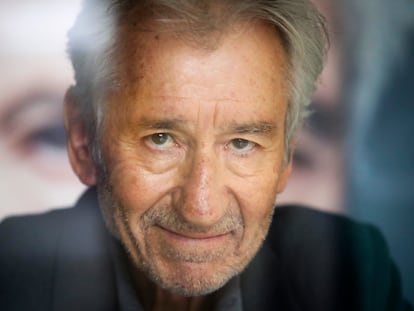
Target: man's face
(193,145)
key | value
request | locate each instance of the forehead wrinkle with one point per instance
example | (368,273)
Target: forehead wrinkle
(191,98)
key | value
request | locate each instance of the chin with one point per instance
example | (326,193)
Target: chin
(191,279)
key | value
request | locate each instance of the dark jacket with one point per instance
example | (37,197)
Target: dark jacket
(310,261)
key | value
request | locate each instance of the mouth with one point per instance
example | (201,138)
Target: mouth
(195,235)
(192,247)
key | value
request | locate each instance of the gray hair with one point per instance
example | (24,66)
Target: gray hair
(92,44)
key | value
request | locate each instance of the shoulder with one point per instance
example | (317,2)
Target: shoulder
(329,242)
(28,247)
(328,257)
(24,232)
(38,252)
(298,224)
(32,236)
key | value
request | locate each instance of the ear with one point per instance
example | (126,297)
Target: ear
(79,152)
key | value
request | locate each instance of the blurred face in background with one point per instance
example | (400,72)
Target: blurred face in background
(317,178)
(35,73)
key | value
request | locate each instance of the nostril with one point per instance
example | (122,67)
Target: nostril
(202,204)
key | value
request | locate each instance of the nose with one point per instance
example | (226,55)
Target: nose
(203,198)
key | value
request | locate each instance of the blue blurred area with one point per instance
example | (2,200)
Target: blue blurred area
(381,176)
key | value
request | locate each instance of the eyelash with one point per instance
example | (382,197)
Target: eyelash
(149,141)
(243,141)
(242,153)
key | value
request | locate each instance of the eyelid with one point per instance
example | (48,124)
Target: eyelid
(252,146)
(147,140)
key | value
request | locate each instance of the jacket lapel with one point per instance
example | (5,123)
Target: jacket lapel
(83,277)
(261,283)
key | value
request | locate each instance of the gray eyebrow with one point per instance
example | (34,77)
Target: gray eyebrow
(261,128)
(265,128)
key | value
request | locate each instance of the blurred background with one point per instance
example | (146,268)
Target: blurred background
(34,73)
(354,156)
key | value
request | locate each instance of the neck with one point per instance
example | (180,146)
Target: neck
(168,301)
(155,298)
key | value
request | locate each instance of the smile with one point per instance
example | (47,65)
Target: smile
(194,235)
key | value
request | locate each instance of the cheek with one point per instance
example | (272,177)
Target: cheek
(260,188)
(256,198)
(135,188)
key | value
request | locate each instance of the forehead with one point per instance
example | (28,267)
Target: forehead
(245,54)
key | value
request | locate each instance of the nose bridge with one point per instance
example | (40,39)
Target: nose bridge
(203,201)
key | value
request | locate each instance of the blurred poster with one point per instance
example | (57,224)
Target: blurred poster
(34,74)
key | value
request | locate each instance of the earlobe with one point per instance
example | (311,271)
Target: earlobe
(79,152)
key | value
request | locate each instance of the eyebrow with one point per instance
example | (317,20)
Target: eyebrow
(162,124)
(261,128)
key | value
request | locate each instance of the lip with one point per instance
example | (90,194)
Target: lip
(195,236)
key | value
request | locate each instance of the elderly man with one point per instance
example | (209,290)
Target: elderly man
(182,123)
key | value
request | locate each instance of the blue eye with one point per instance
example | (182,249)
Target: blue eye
(241,145)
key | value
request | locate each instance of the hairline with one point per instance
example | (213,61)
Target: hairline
(297,95)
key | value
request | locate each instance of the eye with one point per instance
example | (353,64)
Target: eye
(52,136)
(241,145)
(161,140)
